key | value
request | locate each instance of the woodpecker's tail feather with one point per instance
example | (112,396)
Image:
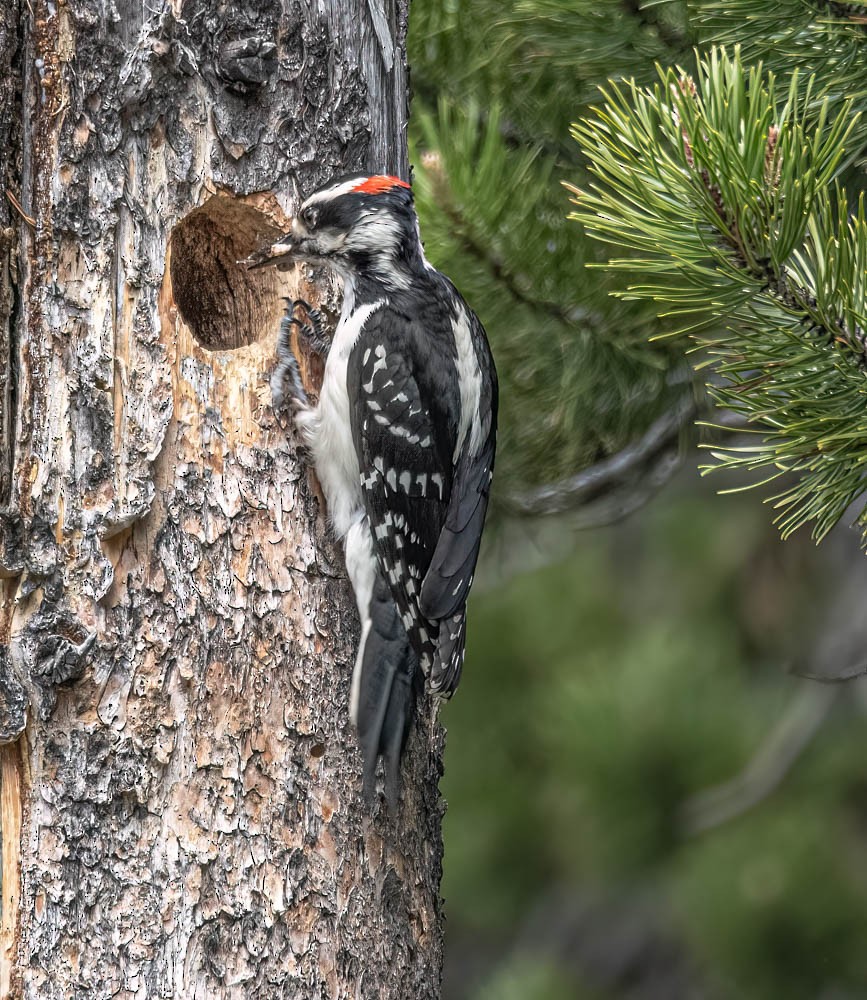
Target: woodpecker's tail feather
(387,690)
(449,658)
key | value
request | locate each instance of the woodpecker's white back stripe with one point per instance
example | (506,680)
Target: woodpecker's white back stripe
(470,383)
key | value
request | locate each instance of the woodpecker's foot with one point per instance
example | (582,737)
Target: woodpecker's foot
(287,389)
(312,332)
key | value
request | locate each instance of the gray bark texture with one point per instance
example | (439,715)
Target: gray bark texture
(180,790)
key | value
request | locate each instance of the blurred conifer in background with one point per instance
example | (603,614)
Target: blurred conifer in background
(646,801)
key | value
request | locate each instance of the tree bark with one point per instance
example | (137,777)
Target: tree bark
(180,789)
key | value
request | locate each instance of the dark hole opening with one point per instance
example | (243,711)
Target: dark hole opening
(224,305)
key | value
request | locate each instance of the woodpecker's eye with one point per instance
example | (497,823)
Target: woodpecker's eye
(310,216)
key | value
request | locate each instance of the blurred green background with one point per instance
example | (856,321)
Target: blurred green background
(646,797)
(644,800)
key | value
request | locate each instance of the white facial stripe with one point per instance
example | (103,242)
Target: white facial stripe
(329,241)
(323,242)
(329,194)
(424,259)
(376,232)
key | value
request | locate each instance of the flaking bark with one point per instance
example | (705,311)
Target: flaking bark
(179,783)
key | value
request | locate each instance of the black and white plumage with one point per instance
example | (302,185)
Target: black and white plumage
(403,439)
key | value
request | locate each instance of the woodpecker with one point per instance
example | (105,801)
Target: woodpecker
(402,439)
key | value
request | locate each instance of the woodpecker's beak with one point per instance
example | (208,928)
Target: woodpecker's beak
(279,254)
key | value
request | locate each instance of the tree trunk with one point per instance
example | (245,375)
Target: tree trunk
(180,787)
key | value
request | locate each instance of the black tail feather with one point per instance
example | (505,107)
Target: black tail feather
(387,692)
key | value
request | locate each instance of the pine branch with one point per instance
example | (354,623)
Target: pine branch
(777,282)
(723,189)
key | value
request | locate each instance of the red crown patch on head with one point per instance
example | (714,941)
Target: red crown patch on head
(379,184)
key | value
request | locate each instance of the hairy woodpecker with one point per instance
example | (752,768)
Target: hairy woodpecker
(402,438)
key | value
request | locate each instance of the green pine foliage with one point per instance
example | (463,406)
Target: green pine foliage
(581,376)
(822,37)
(722,187)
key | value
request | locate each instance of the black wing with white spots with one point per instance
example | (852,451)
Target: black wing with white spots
(405,430)
(450,573)
(425,509)
(449,576)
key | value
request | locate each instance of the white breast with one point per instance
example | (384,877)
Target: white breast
(326,428)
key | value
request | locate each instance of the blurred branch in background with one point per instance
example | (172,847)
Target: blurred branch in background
(837,658)
(762,776)
(612,697)
(617,486)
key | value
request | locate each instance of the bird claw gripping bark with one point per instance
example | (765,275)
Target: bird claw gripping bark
(287,389)
(313,331)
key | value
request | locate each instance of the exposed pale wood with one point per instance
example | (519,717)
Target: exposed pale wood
(177,615)
(10,860)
